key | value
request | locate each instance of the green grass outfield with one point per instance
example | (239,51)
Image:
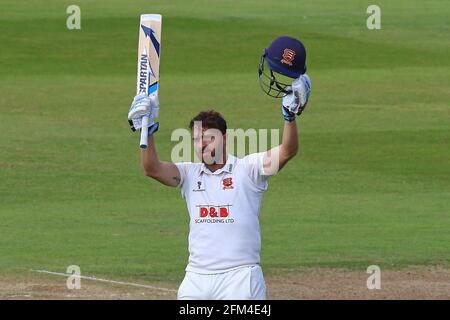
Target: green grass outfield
(372,182)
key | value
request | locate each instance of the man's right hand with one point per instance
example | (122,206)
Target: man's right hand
(142,106)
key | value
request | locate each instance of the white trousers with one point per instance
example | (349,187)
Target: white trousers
(246,283)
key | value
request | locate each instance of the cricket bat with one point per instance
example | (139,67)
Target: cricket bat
(149,49)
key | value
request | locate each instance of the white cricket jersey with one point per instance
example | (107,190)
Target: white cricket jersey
(223,206)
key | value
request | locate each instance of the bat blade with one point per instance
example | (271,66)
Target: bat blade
(148,63)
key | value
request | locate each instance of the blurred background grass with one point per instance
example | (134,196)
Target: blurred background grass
(370,186)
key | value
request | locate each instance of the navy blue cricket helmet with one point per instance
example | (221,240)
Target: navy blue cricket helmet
(285,56)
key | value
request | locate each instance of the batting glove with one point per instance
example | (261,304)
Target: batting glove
(287,115)
(142,106)
(296,101)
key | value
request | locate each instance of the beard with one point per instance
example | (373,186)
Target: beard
(209,157)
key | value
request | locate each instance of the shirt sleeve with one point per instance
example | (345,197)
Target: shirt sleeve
(255,169)
(183,168)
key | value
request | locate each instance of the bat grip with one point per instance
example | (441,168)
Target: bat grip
(144,133)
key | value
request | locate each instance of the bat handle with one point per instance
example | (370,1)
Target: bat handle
(144,133)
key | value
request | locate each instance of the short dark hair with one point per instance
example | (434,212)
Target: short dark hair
(210,119)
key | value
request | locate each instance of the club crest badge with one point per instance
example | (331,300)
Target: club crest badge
(227,183)
(288,56)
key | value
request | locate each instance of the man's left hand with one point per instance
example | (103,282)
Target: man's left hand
(296,101)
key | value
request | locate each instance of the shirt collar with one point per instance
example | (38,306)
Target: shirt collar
(228,167)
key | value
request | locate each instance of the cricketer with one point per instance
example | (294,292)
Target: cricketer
(223,193)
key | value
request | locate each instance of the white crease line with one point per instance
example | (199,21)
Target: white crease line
(104,280)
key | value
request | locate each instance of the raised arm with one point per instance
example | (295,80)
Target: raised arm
(293,105)
(165,172)
(290,143)
(277,157)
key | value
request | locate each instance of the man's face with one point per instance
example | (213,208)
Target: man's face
(209,144)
